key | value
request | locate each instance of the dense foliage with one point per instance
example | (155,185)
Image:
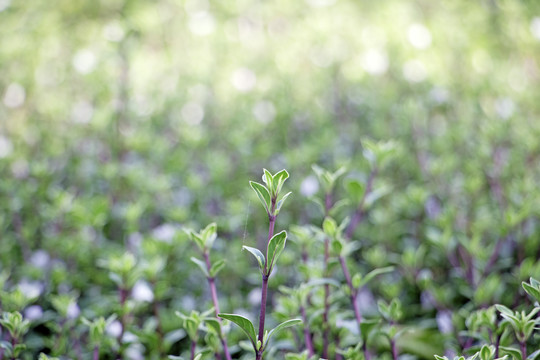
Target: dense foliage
(129,133)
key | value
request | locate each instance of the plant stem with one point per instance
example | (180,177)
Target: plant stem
(123,297)
(95,355)
(394,349)
(523,345)
(262,315)
(367,355)
(159,327)
(353,291)
(13,344)
(325,326)
(193,347)
(213,292)
(307,335)
(264,290)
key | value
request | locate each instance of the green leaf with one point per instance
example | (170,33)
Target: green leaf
(370,275)
(356,189)
(213,324)
(263,194)
(356,280)
(322,281)
(485,353)
(201,265)
(275,247)
(258,255)
(280,327)
(216,267)
(209,235)
(532,290)
(244,324)
(279,179)
(267,178)
(504,310)
(195,238)
(329,227)
(17,349)
(366,326)
(515,353)
(280,202)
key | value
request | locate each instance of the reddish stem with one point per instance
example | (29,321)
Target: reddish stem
(193,347)
(394,349)
(307,335)
(325,325)
(264,290)
(213,292)
(95,355)
(353,291)
(523,346)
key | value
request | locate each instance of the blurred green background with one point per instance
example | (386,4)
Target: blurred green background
(122,121)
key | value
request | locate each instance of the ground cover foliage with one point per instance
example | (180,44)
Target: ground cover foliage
(130,132)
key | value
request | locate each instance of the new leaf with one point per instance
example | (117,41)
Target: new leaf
(244,324)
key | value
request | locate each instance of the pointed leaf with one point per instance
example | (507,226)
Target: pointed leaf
(329,226)
(370,275)
(515,353)
(262,193)
(216,267)
(367,326)
(213,324)
(258,255)
(282,326)
(275,247)
(244,324)
(267,178)
(280,202)
(504,310)
(209,235)
(201,265)
(279,179)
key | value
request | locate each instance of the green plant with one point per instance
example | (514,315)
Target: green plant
(17,327)
(204,241)
(268,194)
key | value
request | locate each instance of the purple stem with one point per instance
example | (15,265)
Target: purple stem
(307,335)
(213,292)
(325,325)
(95,355)
(123,297)
(523,346)
(353,291)
(367,355)
(264,290)
(193,347)
(394,349)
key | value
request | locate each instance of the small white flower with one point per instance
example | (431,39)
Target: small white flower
(309,186)
(33,312)
(142,292)
(31,289)
(134,351)
(40,259)
(114,329)
(164,232)
(73,310)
